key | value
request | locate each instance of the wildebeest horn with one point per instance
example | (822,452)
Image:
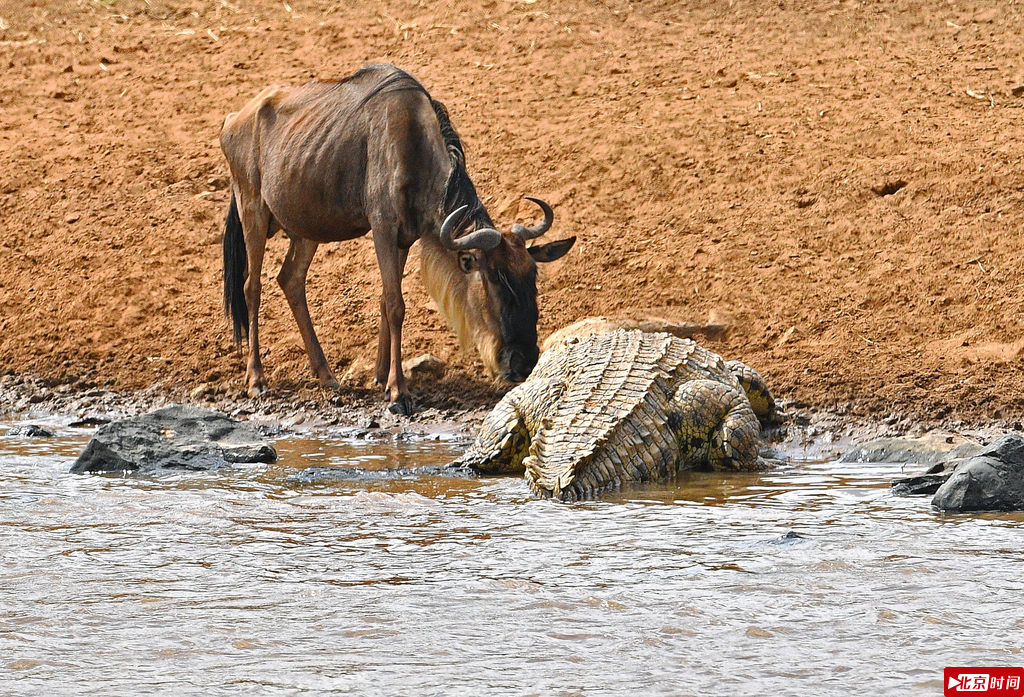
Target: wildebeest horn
(528,233)
(485,238)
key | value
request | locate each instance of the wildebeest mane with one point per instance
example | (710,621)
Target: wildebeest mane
(459,190)
(396,80)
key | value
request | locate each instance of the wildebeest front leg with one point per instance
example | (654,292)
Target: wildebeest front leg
(391,261)
(383,365)
(292,280)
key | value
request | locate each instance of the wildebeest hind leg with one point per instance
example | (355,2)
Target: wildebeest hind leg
(391,261)
(255,223)
(383,365)
(292,280)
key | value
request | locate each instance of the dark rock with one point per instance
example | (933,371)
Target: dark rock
(90,421)
(789,538)
(992,480)
(910,451)
(924,485)
(30,431)
(175,437)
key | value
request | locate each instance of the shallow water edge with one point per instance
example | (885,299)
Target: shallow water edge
(808,579)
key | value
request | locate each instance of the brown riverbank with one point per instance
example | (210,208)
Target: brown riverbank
(840,183)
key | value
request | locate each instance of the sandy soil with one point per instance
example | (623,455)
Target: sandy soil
(840,182)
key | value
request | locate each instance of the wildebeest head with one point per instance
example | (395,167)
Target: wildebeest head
(501,294)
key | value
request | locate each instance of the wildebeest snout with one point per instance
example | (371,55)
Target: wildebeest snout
(517,361)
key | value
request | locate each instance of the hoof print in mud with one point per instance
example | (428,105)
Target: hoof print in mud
(175,437)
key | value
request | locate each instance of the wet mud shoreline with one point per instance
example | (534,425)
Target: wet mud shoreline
(807,432)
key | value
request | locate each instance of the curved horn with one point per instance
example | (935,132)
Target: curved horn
(528,233)
(485,238)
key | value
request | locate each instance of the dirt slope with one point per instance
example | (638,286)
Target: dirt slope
(842,182)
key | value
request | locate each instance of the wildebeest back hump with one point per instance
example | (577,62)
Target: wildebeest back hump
(321,153)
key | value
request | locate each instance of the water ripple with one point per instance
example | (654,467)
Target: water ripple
(248,581)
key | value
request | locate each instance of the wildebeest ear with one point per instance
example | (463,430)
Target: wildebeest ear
(552,250)
(467,262)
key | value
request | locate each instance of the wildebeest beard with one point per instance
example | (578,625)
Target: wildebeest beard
(518,301)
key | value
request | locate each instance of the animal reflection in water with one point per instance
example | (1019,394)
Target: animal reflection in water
(330,161)
(623,406)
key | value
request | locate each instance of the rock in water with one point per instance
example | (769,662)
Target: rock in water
(923,485)
(175,437)
(917,451)
(992,480)
(30,431)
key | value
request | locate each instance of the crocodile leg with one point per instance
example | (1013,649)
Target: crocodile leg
(715,427)
(753,384)
(504,439)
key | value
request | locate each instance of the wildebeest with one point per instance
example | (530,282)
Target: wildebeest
(333,160)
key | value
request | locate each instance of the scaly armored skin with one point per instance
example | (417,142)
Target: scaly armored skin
(623,406)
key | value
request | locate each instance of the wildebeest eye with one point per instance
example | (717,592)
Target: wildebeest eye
(467,262)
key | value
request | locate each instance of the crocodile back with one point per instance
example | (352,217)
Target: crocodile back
(610,423)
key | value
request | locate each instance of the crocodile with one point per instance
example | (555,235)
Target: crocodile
(623,406)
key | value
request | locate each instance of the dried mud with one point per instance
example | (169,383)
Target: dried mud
(839,182)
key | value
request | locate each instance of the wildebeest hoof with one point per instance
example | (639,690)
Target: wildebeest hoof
(256,391)
(401,406)
(330,384)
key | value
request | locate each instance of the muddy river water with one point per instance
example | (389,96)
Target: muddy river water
(248,582)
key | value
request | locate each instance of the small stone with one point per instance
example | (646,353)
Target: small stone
(71,218)
(925,485)
(294,420)
(90,421)
(424,365)
(1018,91)
(30,431)
(788,538)
(928,450)
(786,337)
(987,16)
(218,183)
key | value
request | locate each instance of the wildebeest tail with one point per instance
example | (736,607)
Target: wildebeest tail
(235,271)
